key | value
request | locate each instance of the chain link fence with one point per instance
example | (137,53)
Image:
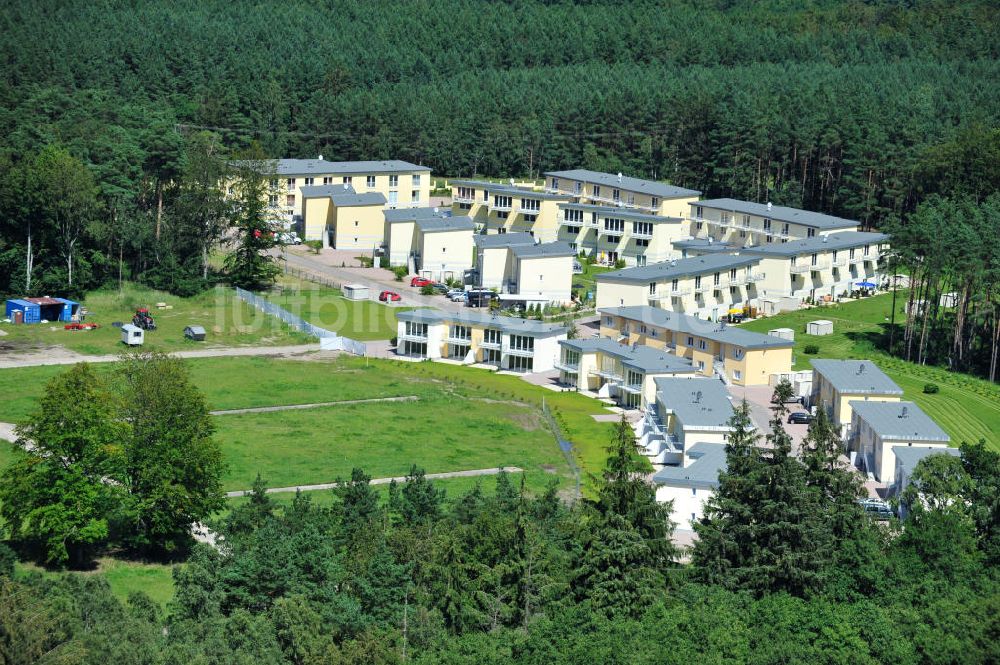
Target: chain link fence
(328,340)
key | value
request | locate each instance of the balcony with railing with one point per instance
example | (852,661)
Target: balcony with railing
(455,339)
(487,343)
(670,292)
(571,222)
(839,262)
(528,210)
(800,268)
(517,351)
(609,373)
(499,205)
(414,335)
(568,367)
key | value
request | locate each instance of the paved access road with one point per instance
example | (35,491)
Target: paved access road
(62,356)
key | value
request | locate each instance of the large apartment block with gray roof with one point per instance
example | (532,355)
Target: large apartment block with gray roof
(468,337)
(402,184)
(702,286)
(732,221)
(430,242)
(621,191)
(498,208)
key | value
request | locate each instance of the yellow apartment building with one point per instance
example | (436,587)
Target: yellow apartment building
(620,191)
(609,234)
(740,223)
(706,287)
(839,384)
(881,431)
(740,357)
(822,266)
(402,184)
(468,337)
(343,218)
(499,208)
(622,372)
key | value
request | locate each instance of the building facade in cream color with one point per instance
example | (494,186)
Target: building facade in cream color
(687,410)
(343,218)
(838,384)
(429,242)
(879,429)
(741,223)
(504,342)
(402,184)
(738,356)
(704,286)
(609,234)
(622,372)
(522,270)
(831,265)
(620,191)
(499,208)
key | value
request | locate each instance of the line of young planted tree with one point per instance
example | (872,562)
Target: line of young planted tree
(786,568)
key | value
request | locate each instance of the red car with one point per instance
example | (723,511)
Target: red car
(81,326)
(389,296)
(421,281)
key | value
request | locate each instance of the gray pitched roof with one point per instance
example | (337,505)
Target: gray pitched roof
(696,265)
(703,472)
(350,199)
(827,243)
(320,191)
(697,402)
(434,224)
(624,213)
(856,376)
(685,323)
(779,213)
(899,420)
(411,214)
(641,357)
(509,190)
(703,246)
(907,457)
(497,240)
(651,187)
(507,324)
(545,249)
(292,167)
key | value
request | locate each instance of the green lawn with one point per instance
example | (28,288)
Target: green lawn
(370,436)
(7,453)
(227,322)
(154,579)
(437,433)
(327,308)
(967,408)
(585,282)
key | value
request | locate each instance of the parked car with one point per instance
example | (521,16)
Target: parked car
(389,296)
(461,296)
(452,292)
(577,268)
(801,417)
(440,288)
(291,238)
(420,281)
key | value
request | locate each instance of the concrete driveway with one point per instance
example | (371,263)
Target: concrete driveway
(759,398)
(330,264)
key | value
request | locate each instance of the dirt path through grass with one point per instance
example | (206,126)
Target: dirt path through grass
(62,356)
(314,405)
(384,481)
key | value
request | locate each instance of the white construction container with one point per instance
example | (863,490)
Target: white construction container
(819,327)
(783,333)
(133,335)
(355,291)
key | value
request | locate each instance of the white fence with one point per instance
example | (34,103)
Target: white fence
(328,340)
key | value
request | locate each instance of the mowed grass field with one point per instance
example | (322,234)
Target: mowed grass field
(967,408)
(156,580)
(464,418)
(327,308)
(227,322)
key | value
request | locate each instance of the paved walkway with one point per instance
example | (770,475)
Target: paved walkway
(327,265)
(314,405)
(61,356)
(384,481)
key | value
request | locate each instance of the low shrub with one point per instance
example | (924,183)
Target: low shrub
(931,389)
(427,290)
(811,349)
(314,245)
(400,272)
